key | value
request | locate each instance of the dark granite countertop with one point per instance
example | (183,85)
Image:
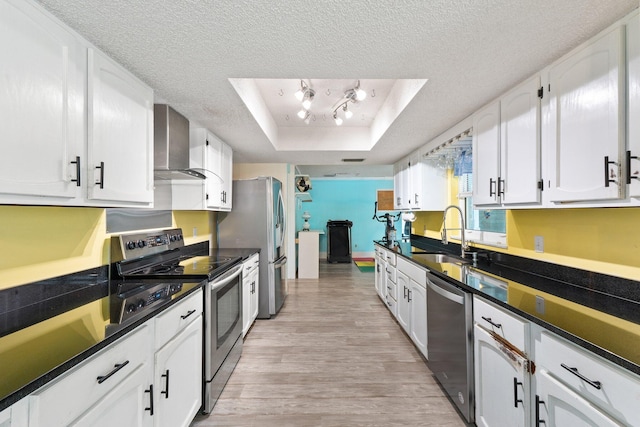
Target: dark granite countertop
(48,327)
(599,295)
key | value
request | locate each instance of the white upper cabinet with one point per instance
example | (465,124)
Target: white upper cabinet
(41,105)
(77,127)
(428,185)
(633,104)
(486,150)
(519,181)
(418,186)
(402,185)
(584,136)
(214,159)
(506,149)
(226,172)
(120,121)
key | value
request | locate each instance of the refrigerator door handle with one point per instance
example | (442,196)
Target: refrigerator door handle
(284,218)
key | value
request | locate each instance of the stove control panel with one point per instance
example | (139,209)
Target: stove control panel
(137,245)
(136,300)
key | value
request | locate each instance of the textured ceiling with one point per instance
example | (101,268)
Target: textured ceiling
(470,52)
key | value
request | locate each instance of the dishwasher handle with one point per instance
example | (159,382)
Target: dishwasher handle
(451,296)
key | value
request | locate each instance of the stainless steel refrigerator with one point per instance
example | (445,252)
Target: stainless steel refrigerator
(257,220)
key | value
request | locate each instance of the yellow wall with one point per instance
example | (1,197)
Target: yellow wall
(39,242)
(604,240)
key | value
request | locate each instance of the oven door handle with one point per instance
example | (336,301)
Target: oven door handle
(220,282)
(280,262)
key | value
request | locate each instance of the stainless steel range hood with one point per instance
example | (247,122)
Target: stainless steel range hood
(171,145)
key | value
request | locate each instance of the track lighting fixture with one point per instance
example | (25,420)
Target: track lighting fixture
(306,94)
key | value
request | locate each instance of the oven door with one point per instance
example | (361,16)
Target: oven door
(223,317)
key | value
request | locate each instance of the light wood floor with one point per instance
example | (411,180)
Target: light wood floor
(333,356)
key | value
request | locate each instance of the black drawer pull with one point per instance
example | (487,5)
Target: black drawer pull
(574,371)
(538,403)
(166,384)
(495,325)
(101,181)
(116,368)
(189,313)
(150,407)
(78,167)
(516,383)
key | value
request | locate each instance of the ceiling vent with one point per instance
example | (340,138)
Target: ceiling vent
(352,160)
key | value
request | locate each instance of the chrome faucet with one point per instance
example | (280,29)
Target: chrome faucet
(463,244)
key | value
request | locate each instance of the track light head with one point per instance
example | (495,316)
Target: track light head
(347,113)
(337,119)
(307,98)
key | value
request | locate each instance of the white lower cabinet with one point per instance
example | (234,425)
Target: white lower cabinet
(178,363)
(412,304)
(250,287)
(502,389)
(502,379)
(558,405)
(574,387)
(150,377)
(381,273)
(178,378)
(119,376)
(129,403)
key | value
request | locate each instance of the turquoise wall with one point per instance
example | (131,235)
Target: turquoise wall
(352,199)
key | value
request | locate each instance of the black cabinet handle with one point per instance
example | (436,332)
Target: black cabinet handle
(405,292)
(495,325)
(101,181)
(629,157)
(500,187)
(408,295)
(607,178)
(166,384)
(77,163)
(596,384)
(538,403)
(516,383)
(150,407)
(189,313)
(116,368)
(492,187)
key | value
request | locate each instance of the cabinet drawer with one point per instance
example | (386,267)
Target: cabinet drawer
(415,273)
(64,399)
(391,257)
(613,389)
(176,318)
(392,290)
(250,264)
(509,326)
(391,305)
(391,273)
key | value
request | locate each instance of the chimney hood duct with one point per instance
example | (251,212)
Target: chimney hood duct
(171,145)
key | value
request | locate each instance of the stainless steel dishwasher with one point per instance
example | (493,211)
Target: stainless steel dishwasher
(450,341)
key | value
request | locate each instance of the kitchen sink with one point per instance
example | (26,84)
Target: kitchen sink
(439,258)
